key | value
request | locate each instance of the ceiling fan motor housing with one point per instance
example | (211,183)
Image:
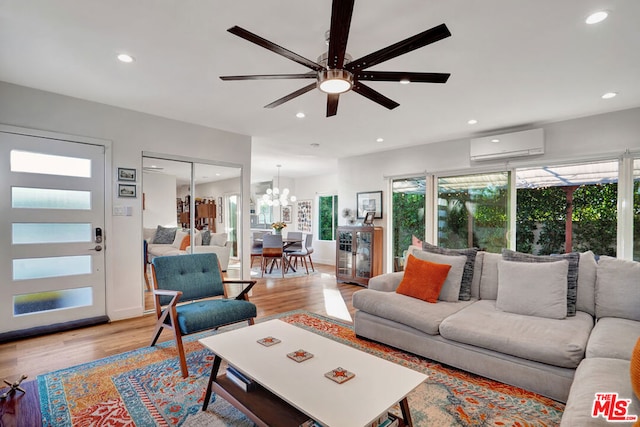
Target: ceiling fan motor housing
(335,81)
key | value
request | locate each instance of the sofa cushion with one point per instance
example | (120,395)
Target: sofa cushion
(218,239)
(597,375)
(477,274)
(179,236)
(613,338)
(467,276)
(423,279)
(406,310)
(533,289)
(587,270)
(165,235)
(572,275)
(206,238)
(489,276)
(555,342)
(451,288)
(618,288)
(186,242)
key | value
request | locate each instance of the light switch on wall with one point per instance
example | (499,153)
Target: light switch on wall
(122,210)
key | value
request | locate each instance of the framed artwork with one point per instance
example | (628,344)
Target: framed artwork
(286,214)
(125,174)
(126,190)
(368,217)
(370,201)
(304,216)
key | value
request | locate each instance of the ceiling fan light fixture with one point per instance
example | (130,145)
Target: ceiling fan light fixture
(335,81)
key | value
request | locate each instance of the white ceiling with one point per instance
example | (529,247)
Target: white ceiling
(513,63)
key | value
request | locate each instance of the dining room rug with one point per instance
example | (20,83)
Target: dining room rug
(144,387)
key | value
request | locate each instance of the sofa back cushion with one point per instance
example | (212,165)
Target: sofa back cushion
(450,291)
(572,275)
(587,283)
(423,279)
(533,289)
(489,276)
(618,288)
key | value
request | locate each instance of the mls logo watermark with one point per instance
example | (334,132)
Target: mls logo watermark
(612,408)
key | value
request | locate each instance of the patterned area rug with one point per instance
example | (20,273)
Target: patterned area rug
(144,388)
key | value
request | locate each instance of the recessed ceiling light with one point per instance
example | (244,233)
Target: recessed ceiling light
(405,81)
(380,140)
(472,122)
(300,115)
(596,17)
(609,95)
(123,57)
(495,140)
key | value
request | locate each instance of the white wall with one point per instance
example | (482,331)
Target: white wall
(600,136)
(160,200)
(130,134)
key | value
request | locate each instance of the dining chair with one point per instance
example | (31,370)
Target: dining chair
(195,280)
(272,252)
(294,247)
(303,254)
(256,246)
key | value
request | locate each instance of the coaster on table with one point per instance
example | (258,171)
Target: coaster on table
(268,341)
(339,375)
(300,355)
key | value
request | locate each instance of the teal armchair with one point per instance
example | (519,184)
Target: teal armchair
(190,296)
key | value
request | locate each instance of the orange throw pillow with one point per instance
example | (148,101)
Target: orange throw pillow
(635,369)
(186,242)
(423,279)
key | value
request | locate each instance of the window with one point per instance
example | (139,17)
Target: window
(636,210)
(408,206)
(567,208)
(473,211)
(328,215)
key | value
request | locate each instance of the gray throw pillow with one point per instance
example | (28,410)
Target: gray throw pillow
(467,275)
(533,289)
(572,274)
(450,291)
(206,238)
(165,235)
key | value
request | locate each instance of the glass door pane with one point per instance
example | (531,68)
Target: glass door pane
(408,204)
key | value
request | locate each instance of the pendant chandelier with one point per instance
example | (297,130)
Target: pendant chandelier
(277,197)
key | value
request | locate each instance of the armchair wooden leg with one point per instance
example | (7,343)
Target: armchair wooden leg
(158,331)
(183,358)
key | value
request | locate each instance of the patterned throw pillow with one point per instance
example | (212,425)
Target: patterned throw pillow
(165,235)
(206,238)
(467,275)
(634,369)
(572,275)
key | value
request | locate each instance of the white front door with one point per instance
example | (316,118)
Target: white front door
(51,206)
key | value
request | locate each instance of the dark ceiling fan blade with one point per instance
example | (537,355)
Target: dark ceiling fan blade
(292,95)
(332,104)
(397,76)
(341,12)
(407,45)
(374,95)
(271,76)
(253,38)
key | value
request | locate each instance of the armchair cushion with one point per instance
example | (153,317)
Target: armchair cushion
(208,314)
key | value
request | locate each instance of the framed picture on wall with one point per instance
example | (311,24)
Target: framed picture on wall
(125,174)
(286,214)
(126,190)
(369,201)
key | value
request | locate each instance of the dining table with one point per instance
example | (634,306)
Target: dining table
(286,243)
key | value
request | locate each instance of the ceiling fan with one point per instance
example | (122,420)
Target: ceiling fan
(335,73)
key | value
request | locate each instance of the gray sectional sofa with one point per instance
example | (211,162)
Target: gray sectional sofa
(568,359)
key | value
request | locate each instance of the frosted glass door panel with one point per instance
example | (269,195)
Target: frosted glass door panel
(31,233)
(46,198)
(48,164)
(40,268)
(48,301)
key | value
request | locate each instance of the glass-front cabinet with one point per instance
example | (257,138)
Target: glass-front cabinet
(358,254)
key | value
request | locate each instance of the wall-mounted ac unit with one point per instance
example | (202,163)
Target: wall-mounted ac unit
(507,145)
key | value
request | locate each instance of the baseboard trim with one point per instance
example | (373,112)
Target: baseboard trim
(50,329)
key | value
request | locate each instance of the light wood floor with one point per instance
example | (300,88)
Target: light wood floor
(318,293)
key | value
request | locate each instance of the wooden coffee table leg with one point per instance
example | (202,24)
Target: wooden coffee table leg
(406,414)
(214,374)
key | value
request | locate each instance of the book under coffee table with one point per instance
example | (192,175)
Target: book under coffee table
(290,392)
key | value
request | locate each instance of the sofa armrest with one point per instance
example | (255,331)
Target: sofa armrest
(386,282)
(223,253)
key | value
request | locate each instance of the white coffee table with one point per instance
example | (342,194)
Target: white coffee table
(291,392)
